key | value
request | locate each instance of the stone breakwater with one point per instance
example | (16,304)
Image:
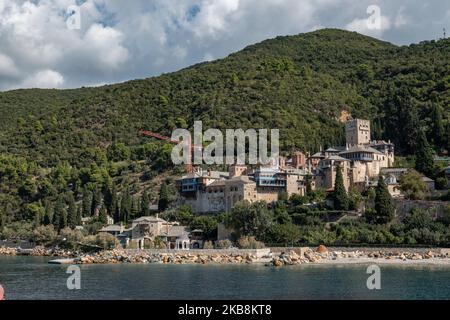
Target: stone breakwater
(39,251)
(323,255)
(176,257)
(275,257)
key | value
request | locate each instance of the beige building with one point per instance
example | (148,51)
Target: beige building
(365,158)
(147,229)
(357,132)
(360,161)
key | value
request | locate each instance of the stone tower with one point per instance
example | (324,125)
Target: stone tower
(357,132)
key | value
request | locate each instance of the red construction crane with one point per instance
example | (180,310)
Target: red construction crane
(189,166)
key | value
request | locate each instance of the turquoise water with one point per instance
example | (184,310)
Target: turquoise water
(33,278)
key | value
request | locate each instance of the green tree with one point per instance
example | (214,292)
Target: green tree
(438,130)
(96,200)
(135,207)
(117,216)
(72,211)
(103,215)
(126,206)
(145,203)
(108,198)
(78,221)
(383,203)
(48,216)
(340,196)
(250,219)
(164,197)
(412,185)
(207,224)
(288,233)
(424,156)
(60,215)
(86,202)
(118,152)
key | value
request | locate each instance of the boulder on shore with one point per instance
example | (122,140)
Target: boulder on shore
(322,249)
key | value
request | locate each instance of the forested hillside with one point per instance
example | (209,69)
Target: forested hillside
(61,151)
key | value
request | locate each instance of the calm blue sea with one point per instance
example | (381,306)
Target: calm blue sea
(34,278)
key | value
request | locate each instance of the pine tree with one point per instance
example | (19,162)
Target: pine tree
(383,203)
(145,204)
(72,211)
(424,156)
(340,196)
(87,203)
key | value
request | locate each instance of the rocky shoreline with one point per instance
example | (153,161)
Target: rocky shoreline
(39,252)
(295,256)
(323,255)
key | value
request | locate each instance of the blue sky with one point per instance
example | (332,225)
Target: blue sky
(121,40)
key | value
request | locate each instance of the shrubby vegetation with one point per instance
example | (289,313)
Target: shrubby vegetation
(72,154)
(305,223)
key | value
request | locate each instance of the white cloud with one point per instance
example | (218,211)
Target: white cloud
(214,17)
(401,19)
(121,40)
(7,66)
(44,79)
(364,26)
(104,44)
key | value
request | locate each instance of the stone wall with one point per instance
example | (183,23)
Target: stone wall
(404,206)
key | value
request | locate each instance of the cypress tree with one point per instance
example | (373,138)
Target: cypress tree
(2,219)
(438,127)
(383,203)
(108,198)
(126,206)
(103,215)
(117,217)
(111,200)
(163,202)
(447,129)
(340,196)
(72,211)
(60,214)
(79,216)
(145,204)
(424,156)
(48,216)
(87,203)
(96,200)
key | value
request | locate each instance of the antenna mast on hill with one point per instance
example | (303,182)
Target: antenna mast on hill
(445,35)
